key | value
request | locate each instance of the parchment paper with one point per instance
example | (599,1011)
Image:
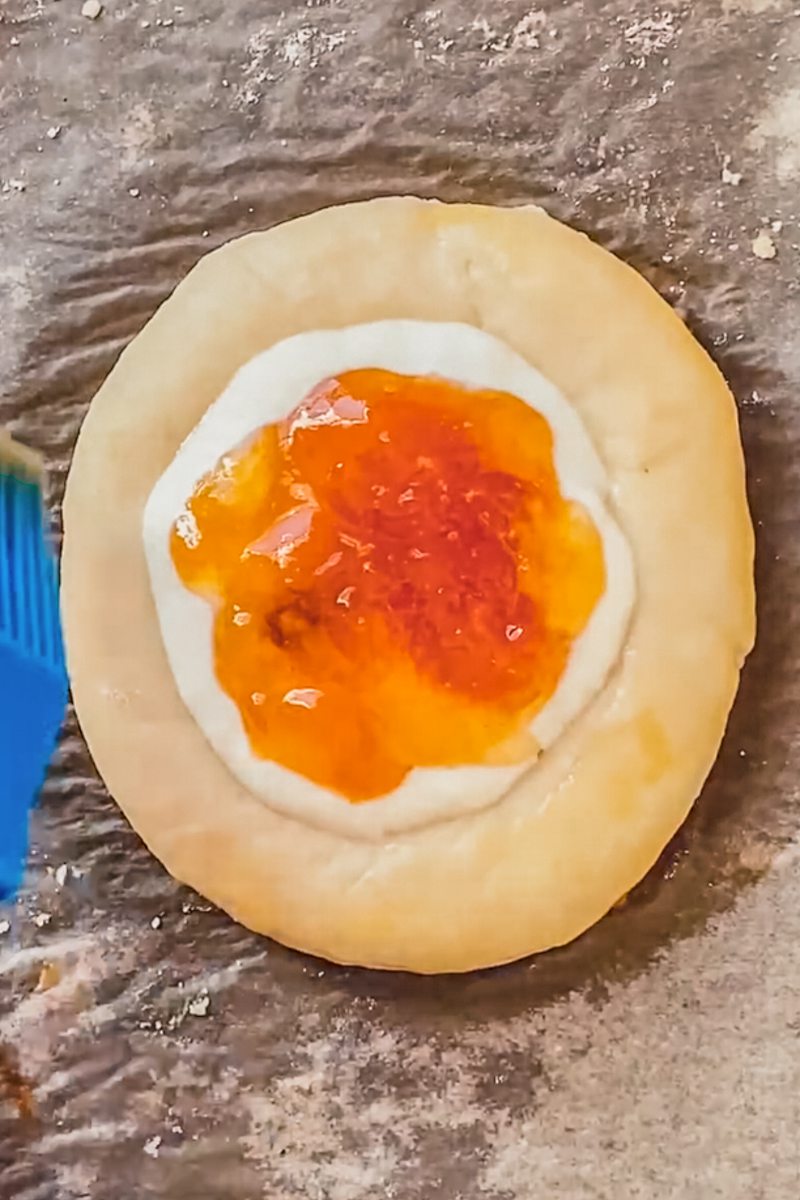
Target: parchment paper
(151,1049)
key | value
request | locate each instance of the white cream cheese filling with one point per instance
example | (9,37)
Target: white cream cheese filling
(265,390)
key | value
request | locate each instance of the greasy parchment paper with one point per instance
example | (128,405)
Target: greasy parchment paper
(149,1048)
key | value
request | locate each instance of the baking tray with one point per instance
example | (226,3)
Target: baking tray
(150,1048)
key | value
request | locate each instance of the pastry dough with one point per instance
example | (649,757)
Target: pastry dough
(266,390)
(579,830)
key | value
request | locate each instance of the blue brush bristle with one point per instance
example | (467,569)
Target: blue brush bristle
(32,675)
(28,588)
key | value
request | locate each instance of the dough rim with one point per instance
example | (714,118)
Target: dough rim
(537,869)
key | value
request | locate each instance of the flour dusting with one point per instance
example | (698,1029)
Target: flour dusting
(777,132)
(649,36)
(274,49)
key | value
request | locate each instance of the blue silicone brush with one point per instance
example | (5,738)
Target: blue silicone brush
(33,684)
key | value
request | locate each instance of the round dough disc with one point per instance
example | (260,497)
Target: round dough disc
(584,825)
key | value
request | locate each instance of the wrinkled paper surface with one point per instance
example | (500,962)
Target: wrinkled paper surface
(149,1048)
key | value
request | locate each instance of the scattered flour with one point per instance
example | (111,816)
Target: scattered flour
(441,35)
(199,1006)
(763,246)
(271,50)
(138,135)
(527,33)
(651,35)
(751,7)
(307,45)
(727,175)
(778,131)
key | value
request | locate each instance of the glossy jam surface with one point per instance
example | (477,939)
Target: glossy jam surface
(397,579)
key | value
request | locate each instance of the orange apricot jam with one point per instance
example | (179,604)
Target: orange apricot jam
(396,577)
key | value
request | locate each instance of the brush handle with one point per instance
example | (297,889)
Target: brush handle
(32,699)
(33,682)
